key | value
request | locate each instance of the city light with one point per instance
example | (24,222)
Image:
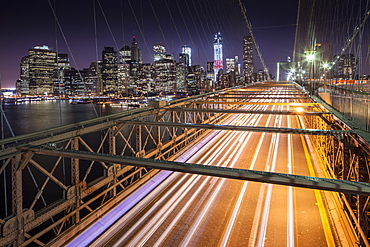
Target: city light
(325,65)
(299,109)
(310,57)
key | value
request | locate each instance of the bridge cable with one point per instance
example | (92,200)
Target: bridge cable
(69,49)
(139,26)
(242,8)
(296,33)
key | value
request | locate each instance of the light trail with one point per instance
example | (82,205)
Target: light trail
(213,151)
(215,192)
(290,222)
(89,235)
(257,215)
(273,150)
(237,153)
(186,213)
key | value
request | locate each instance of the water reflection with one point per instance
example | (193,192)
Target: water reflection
(30,117)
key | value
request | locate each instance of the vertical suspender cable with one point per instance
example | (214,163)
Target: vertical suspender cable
(296,33)
(2,137)
(242,8)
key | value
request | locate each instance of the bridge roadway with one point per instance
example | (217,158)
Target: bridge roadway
(196,210)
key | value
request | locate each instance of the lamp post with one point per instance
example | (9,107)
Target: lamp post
(325,67)
(310,58)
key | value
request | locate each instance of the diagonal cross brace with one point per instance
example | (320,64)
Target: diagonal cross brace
(344,186)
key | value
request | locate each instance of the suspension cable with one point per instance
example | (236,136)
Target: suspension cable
(242,8)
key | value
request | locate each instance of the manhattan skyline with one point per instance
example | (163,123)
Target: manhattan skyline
(174,23)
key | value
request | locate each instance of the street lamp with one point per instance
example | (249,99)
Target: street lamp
(310,58)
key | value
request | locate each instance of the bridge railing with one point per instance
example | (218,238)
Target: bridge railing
(45,196)
(351,98)
(345,157)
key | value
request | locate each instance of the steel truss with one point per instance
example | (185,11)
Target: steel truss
(346,157)
(57,196)
(50,197)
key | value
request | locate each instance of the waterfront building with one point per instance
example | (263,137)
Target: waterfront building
(74,82)
(93,78)
(248,65)
(62,64)
(37,71)
(22,85)
(217,52)
(185,49)
(109,70)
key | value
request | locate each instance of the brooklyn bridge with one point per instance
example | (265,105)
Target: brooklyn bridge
(275,163)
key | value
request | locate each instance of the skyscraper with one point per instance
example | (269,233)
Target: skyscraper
(37,71)
(232,65)
(345,68)
(125,54)
(210,71)
(187,50)
(184,59)
(62,65)
(248,66)
(159,51)
(135,51)
(109,69)
(217,49)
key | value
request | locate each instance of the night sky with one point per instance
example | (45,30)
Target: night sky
(25,24)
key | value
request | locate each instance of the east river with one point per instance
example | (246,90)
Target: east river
(28,117)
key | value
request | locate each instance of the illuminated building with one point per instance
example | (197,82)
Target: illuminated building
(232,65)
(217,49)
(135,51)
(74,83)
(109,70)
(144,82)
(248,66)
(92,79)
(187,50)
(195,75)
(125,54)
(62,65)
(345,67)
(165,75)
(210,71)
(181,72)
(159,51)
(37,71)
(123,77)
(184,59)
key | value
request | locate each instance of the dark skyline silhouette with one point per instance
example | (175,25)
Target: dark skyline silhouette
(25,24)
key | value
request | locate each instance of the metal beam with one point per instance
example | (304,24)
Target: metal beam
(271,96)
(252,103)
(243,128)
(55,135)
(179,109)
(242,93)
(350,187)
